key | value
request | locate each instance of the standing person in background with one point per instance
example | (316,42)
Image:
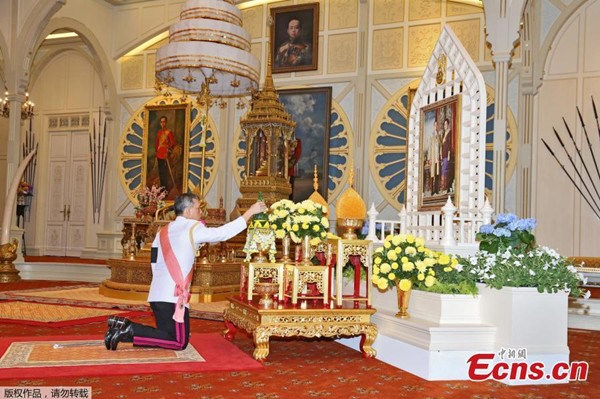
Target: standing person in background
(165,142)
(434,157)
(294,158)
(446,157)
(172,256)
(294,51)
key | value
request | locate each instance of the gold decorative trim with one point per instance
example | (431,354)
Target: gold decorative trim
(211,35)
(211,13)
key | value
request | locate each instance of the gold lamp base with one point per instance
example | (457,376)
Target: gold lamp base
(349,227)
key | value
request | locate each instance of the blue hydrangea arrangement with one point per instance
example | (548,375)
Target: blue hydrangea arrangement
(508,231)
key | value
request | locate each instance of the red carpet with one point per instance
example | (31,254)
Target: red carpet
(295,368)
(84,356)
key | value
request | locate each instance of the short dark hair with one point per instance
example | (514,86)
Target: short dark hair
(294,19)
(184,201)
(163,117)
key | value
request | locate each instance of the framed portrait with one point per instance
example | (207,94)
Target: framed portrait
(311,110)
(438,153)
(295,38)
(165,155)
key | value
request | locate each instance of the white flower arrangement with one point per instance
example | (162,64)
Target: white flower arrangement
(508,257)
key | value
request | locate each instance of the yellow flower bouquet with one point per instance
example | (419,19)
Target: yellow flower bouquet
(306,218)
(279,217)
(406,262)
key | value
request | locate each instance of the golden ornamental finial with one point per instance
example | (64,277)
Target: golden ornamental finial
(316,179)
(351,178)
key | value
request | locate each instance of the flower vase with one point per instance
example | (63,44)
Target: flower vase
(306,255)
(286,244)
(403,300)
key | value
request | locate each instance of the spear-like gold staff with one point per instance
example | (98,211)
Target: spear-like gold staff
(204,100)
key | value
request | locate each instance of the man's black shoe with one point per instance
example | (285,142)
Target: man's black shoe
(124,334)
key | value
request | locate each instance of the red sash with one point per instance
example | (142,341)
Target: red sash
(182,287)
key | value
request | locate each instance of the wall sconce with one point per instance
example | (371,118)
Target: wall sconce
(27,108)
(4,110)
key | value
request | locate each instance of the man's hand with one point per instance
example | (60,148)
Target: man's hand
(257,207)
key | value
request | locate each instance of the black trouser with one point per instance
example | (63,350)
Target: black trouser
(163,173)
(168,333)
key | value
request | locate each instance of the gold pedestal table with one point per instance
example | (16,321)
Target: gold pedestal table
(312,322)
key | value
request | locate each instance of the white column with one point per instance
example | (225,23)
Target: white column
(13,151)
(14,136)
(503,18)
(499,172)
(526,104)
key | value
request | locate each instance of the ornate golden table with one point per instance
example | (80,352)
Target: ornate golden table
(289,322)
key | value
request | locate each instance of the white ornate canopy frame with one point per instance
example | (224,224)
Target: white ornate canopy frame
(461,76)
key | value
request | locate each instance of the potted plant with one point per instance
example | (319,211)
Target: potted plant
(405,263)
(524,288)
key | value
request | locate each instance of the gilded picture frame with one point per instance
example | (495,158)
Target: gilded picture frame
(166,155)
(439,149)
(295,38)
(311,110)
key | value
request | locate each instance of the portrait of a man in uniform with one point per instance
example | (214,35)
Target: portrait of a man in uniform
(294,38)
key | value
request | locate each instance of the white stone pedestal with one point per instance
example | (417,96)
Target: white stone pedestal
(437,344)
(443,332)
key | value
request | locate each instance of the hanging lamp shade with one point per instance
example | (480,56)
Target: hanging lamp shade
(208,44)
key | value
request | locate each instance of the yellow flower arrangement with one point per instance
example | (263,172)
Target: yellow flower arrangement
(279,215)
(306,218)
(404,260)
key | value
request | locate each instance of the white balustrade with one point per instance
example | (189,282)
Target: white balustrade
(447,227)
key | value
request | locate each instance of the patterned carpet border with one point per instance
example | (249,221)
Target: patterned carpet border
(84,356)
(21,295)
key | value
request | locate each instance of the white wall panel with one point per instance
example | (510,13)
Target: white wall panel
(592,55)
(79,82)
(565,57)
(127,27)
(153,17)
(554,207)
(565,220)
(50,90)
(590,225)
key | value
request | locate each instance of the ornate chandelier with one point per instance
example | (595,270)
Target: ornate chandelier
(209,46)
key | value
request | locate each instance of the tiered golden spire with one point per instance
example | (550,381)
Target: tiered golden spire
(269,132)
(266,107)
